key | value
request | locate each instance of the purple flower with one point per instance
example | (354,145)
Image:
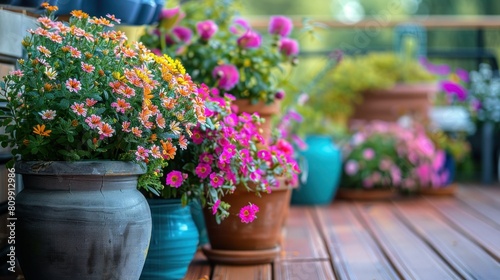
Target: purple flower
(206,29)
(182,33)
(454,88)
(280,25)
(438,69)
(279,95)
(351,167)
(463,75)
(227,74)
(289,46)
(250,39)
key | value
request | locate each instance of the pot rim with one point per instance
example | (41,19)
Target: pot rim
(84,167)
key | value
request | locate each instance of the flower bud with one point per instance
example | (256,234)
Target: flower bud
(280,25)
(206,29)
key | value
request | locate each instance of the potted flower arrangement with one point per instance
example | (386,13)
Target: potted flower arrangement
(384,158)
(241,179)
(85,112)
(225,52)
(388,78)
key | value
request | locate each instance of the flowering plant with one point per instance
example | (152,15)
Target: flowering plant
(388,155)
(83,93)
(484,97)
(228,154)
(223,51)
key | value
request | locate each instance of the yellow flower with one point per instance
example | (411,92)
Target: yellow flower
(40,130)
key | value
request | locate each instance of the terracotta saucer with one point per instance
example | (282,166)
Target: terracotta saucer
(241,257)
(443,191)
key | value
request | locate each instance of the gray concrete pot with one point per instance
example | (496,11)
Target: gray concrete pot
(81,220)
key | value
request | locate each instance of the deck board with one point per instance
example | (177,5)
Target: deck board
(479,229)
(409,254)
(456,237)
(355,255)
(464,255)
(301,239)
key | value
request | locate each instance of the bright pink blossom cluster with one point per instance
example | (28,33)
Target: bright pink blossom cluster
(388,155)
(228,153)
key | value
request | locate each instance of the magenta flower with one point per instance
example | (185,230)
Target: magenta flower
(279,95)
(215,207)
(206,29)
(169,17)
(462,74)
(438,69)
(264,155)
(351,167)
(289,47)
(169,13)
(203,170)
(228,76)
(248,213)
(239,26)
(368,154)
(174,179)
(453,88)
(250,39)
(216,180)
(280,25)
(183,34)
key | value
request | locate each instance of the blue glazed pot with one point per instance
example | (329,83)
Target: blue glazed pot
(450,167)
(174,240)
(67,6)
(199,221)
(160,4)
(125,10)
(146,12)
(324,166)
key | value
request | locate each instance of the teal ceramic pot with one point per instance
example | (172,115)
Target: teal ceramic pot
(323,166)
(160,4)
(199,220)
(67,6)
(174,240)
(125,10)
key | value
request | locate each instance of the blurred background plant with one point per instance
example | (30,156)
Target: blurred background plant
(222,50)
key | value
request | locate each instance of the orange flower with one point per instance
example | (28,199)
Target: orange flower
(40,130)
(168,149)
(79,14)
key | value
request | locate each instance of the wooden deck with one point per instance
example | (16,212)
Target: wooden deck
(411,238)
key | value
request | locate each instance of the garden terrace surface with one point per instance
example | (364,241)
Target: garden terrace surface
(420,237)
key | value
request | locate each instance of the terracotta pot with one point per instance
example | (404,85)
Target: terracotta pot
(232,241)
(390,104)
(266,111)
(366,194)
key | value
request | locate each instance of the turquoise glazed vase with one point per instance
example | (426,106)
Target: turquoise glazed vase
(174,240)
(321,172)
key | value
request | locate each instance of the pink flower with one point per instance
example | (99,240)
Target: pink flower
(239,26)
(289,47)
(351,167)
(216,180)
(141,153)
(265,155)
(368,154)
(250,39)
(203,170)
(248,213)
(174,179)
(93,121)
(183,34)
(73,85)
(215,207)
(227,74)
(206,158)
(206,29)
(169,17)
(279,95)
(424,173)
(280,25)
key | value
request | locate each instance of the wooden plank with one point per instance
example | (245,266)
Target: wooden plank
(355,255)
(245,272)
(409,254)
(303,270)
(483,204)
(199,268)
(301,238)
(464,255)
(481,230)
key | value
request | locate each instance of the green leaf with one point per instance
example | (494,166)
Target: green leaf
(153,190)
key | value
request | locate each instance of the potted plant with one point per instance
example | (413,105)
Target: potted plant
(314,138)
(225,52)
(392,85)
(85,112)
(241,179)
(385,158)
